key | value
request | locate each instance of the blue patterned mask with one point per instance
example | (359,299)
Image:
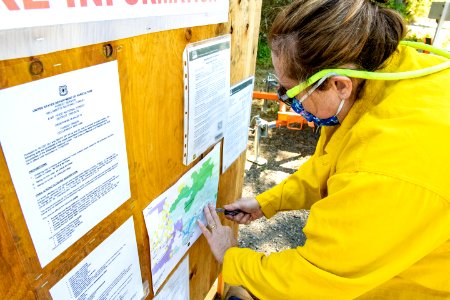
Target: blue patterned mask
(298,107)
(331,121)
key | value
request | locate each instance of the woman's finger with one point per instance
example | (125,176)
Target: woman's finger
(209,218)
(238,218)
(230,218)
(246,218)
(214,215)
(204,230)
(232,206)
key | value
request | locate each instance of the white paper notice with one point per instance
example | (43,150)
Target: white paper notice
(237,122)
(177,287)
(207,88)
(111,271)
(171,219)
(64,142)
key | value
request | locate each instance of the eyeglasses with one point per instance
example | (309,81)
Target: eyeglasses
(283,94)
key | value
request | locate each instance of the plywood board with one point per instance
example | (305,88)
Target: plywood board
(151,84)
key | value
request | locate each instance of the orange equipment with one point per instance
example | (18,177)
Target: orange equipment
(284,118)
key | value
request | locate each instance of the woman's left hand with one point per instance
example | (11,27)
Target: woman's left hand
(220,238)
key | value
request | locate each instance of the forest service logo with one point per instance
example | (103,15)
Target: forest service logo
(63,90)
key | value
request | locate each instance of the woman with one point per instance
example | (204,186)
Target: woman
(377,185)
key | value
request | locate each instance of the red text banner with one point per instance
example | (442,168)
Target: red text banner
(35,13)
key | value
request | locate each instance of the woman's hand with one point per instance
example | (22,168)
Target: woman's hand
(248,205)
(220,238)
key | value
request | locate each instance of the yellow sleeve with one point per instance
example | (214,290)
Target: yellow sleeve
(369,229)
(299,191)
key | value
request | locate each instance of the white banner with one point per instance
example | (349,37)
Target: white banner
(33,13)
(32,27)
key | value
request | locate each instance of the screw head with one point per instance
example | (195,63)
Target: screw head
(36,67)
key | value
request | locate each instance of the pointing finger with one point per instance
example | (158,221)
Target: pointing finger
(204,230)
(209,218)
(214,215)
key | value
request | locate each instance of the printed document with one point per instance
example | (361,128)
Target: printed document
(238,120)
(206,93)
(111,271)
(64,143)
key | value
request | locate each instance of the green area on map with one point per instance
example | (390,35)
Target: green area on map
(198,182)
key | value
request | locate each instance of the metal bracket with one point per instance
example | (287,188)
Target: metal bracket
(271,82)
(261,129)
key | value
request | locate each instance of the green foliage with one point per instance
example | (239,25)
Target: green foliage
(418,8)
(269,11)
(263,57)
(410,9)
(399,6)
(414,38)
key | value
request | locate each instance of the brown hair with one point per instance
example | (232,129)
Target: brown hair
(312,35)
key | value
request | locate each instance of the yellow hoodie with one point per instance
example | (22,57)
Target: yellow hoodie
(378,187)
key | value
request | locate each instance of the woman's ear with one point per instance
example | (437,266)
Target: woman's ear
(342,85)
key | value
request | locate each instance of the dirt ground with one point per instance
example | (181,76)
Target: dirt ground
(285,150)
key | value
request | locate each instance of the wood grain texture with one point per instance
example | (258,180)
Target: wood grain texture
(151,82)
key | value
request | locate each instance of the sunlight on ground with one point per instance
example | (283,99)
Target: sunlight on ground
(248,164)
(273,177)
(295,164)
(283,155)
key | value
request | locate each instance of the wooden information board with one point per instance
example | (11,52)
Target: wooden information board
(151,84)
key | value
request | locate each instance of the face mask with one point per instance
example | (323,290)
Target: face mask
(297,106)
(332,121)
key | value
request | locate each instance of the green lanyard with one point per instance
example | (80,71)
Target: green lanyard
(377,75)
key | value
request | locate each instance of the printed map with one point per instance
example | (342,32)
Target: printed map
(171,219)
